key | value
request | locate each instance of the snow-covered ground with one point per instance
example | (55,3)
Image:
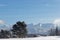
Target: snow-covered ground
(36,38)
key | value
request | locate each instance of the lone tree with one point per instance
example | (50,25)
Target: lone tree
(56,30)
(19,29)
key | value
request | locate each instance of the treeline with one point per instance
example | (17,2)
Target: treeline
(18,31)
(54,32)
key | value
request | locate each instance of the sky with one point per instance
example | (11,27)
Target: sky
(30,11)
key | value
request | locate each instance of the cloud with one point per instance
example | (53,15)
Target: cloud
(2,22)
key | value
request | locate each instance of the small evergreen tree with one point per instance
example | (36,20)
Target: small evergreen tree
(56,30)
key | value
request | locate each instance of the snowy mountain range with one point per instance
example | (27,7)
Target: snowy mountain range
(39,28)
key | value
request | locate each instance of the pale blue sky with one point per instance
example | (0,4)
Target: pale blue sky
(30,11)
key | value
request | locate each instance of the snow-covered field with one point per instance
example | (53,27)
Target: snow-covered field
(36,38)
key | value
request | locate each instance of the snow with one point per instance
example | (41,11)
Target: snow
(36,38)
